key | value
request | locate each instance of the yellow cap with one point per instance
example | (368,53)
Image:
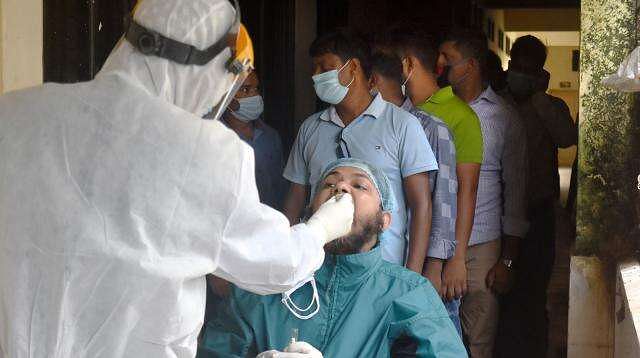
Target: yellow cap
(244,47)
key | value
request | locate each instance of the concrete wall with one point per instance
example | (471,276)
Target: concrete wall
(21,44)
(627,320)
(559,65)
(606,187)
(566,156)
(591,329)
(541,19)
(1,42)
(497,16)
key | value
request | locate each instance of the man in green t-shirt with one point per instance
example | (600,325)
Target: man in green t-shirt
(462,121)
(419,56)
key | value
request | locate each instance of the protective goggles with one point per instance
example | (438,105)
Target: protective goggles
(152,43)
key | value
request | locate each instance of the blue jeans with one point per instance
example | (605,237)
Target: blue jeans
(453,308)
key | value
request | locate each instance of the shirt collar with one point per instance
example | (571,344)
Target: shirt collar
(375,110)
(488,95)
(355,266)
(258,129)
(407,105)
(331,115)
(442,95)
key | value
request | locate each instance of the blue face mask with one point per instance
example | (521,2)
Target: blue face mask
(328,87)
(250,108)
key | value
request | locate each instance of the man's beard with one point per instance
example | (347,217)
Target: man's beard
(354,242)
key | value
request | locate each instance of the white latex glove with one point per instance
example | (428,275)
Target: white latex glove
(334,217)
(294,350)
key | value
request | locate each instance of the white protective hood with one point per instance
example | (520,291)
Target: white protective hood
(116,200)
(199,23)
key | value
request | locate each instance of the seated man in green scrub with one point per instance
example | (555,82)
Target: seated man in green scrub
(365,303)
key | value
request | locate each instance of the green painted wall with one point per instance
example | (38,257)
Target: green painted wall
(607,183)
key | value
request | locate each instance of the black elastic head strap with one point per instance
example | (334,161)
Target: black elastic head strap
(152,43)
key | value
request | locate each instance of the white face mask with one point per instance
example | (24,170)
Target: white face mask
(250,108)
(328,87)
(301,313)
(404,85)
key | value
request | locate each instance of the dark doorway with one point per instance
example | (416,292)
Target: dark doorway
(272,28)
(79,35)
(368,16)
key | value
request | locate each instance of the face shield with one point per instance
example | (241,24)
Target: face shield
(240,66)
(237,39)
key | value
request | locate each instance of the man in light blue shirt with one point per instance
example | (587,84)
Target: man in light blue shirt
(361,126)
(267,148)
(244,116)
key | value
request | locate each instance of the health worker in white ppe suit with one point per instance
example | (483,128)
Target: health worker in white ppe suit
(116,198)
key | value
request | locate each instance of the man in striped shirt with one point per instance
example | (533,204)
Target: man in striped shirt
(500,215)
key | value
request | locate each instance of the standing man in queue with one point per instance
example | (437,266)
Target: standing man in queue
(419,57)
(500,220)
(116,198)
(549,126)
(359,125)
(245,116)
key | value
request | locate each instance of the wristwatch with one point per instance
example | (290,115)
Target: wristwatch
(508,263)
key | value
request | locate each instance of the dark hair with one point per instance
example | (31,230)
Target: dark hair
(409,40)
(386,42)
(471,43)
(345,44)
(388,65)
(530,51)
(494,74)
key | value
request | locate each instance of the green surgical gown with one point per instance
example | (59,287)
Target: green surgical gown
(367,304)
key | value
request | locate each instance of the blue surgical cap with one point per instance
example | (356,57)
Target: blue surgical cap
(379,179)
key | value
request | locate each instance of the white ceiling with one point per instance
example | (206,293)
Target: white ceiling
(551,38)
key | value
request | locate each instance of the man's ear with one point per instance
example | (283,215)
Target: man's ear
(410,63)
(440,63)
(357,69)
(373,80)
(475,64)
(386,220)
